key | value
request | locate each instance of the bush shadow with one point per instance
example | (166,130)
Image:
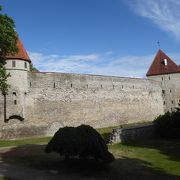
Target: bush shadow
(33,156)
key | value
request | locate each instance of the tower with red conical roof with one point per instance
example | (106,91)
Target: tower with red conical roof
(164,70)
(18,65)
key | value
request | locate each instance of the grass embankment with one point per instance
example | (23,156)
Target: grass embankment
(26,141)
(105,132)
(7,178)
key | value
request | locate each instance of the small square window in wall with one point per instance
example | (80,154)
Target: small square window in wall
(25,65)
(172,102)
(15,102)
(13,63)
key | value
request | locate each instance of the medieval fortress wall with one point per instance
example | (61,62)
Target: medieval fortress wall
(48,101)
(38,104)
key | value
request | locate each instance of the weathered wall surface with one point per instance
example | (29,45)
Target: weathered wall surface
(54,100)
(124,135)
(170,89)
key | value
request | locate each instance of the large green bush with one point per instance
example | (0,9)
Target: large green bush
(82,141)
(168,125)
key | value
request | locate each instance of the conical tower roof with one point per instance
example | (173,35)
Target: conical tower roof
(21,54)
(162,64)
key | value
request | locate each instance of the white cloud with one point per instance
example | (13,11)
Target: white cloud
(164,13)
(102,64)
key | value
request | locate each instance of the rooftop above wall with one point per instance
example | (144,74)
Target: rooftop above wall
(21,54)
(162,64)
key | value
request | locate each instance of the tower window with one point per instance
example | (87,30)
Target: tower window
(71,85)
(169,78)
(15,102)
(13,63)
(14,93)
(163,91)
(25,64)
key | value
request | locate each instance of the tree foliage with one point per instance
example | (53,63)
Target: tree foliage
(33,69)
(8,39)
(168,125)
(82,141)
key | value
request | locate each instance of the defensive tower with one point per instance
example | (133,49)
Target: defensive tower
(18,66)
(164,70)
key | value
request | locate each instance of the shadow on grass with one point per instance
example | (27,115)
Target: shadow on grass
(33,156)
(170,147)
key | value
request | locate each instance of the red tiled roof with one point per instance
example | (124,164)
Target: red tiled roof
(21,54)
(158,65)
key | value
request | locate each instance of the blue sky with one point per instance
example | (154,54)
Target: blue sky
(108,37)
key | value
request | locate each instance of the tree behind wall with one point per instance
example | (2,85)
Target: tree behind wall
(8,39)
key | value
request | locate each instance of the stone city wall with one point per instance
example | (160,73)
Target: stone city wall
(54,100)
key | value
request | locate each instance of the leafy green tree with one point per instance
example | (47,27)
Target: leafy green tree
(168,125)
(33,69)
(8,40)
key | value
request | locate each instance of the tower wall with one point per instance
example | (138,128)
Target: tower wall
(18,82)
(170,84)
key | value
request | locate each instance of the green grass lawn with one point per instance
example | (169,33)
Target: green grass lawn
(7,143)
(153,159)
(6,178)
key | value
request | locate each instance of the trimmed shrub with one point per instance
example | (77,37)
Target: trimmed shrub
(82,141)
(168,125)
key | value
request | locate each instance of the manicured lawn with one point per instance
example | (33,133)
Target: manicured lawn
(157,155)
(6,143)
(153,159)
(6,178)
